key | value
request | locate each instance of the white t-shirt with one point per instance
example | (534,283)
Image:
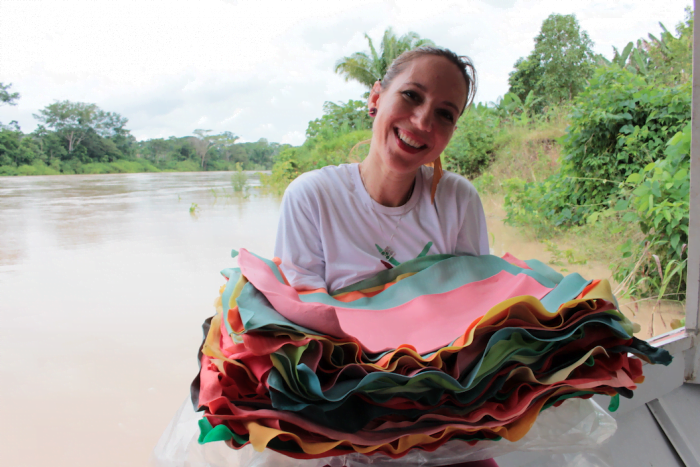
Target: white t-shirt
(331,231)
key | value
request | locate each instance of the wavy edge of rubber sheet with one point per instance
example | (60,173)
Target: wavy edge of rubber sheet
(578,425)
(448,295)
(489,287)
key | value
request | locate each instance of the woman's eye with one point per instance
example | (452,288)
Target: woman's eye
(411,95)
(447,115)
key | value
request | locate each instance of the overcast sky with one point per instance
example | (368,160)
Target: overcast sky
(259,68)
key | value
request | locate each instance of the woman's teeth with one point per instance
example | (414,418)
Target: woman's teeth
(407,139)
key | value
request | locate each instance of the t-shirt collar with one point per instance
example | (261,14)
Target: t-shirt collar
(379,208)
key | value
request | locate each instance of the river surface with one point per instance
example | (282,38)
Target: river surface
(104,283)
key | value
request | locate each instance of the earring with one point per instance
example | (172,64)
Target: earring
(372,112)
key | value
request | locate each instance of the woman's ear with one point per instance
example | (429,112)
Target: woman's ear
(374,95)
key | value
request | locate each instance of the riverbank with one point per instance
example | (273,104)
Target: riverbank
(564,255)
(116,167)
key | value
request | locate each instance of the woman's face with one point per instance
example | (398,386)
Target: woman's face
(417,113)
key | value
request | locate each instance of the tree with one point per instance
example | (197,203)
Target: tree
(51,144)
(99,149)
(340,118)
(367,69)
(670,57)
(224,144)
(560,64)
(159,148)
(9,145)
(73,120)
(6,97)
(262,153)
(186,151)
(525,78)
(17,149)
(237,154)
(666,60)
(202,143)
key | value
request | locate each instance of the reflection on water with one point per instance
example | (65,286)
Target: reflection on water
(104,282)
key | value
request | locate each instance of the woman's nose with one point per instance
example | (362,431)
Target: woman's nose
(423,118)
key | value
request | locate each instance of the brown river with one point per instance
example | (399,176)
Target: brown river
(104,283)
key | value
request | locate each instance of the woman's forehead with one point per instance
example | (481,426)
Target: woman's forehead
(435,74)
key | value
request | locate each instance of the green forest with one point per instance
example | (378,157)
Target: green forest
(80,138)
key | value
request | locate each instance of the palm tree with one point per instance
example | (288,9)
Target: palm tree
(370,68)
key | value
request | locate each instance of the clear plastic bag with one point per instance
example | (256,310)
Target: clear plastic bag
(571,435)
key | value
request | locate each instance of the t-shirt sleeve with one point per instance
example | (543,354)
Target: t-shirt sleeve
(473,237)
(298,243)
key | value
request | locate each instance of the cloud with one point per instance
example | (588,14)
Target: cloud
(233,116)
(295,138)
(261,69)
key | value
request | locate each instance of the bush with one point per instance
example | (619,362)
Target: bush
(619,125)
(187,166)
(70,166)
(36,168)
(315,153)
(132,166)
(120,166)
(540,206)
(238,178)
(473,144)
(219,165)
(7,170)
(93,168)
(657,199)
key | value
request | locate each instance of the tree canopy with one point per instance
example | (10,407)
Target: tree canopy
(368,68)
(340,118)
(560,64)
(6,97)
(74,121)
(667,59)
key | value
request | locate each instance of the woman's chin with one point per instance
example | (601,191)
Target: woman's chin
(406,164)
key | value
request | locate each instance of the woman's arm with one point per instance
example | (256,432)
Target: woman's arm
(298,242)
(473,237)
(474,227)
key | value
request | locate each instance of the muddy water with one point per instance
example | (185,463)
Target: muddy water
(104,283)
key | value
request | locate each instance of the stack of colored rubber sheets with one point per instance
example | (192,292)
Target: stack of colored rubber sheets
(439,348)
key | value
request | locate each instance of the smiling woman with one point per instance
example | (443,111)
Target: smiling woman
(417,105)
(342,224)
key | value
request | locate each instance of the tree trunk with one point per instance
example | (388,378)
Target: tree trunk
(73,140)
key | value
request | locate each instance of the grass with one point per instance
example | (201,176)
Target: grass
(602,241)
(238,179)
(526,153)
(532,154)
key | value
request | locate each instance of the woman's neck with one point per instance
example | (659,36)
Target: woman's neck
(385,187)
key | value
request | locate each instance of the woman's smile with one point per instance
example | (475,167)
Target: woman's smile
(408,141)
